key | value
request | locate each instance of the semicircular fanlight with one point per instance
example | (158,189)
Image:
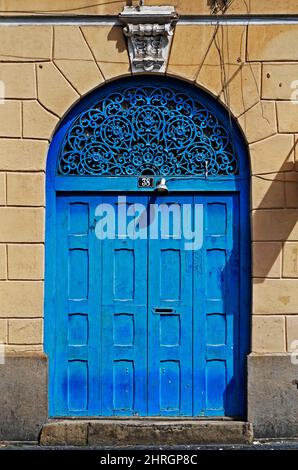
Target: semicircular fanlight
(153,130)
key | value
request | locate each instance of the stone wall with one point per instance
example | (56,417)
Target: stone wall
(47,69)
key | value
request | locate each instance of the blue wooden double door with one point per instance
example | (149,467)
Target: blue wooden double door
(147,326)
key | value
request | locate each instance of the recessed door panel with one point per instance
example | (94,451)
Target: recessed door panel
(216,309)
(170,306)
(124,318)
(75,383)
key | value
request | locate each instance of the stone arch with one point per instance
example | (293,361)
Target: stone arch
(223,121)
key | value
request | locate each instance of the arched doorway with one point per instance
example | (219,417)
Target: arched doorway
(142,325)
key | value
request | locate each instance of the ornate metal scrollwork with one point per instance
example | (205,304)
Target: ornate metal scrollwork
(147,130)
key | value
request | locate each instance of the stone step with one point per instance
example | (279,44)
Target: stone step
(125,432)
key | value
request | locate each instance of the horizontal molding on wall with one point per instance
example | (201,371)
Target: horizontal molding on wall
(114,20)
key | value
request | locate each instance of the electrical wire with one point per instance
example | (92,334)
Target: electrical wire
(235,178)
(47,12)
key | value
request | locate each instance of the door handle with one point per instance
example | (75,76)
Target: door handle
(163,311)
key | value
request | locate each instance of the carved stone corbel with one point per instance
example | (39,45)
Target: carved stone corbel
(149,31)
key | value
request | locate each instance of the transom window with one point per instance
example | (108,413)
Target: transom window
(147,130)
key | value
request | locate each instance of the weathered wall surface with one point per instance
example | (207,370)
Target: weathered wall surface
(272,395)
(23,388)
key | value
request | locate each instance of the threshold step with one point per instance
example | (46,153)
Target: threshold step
(132,432)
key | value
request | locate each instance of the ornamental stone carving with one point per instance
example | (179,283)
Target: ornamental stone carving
(149,32)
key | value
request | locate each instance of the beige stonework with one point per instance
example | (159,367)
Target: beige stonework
(228,46)
(266,259)
(3,262)
(211,78)
(268,334)
(292,333)
(101,7)
(290,260)
(200,49)
(238,87)
(275,225)
(84,76)
(25,331)
(23,348)
(61,7)
(263,7)
(25,189)
(186,72)
(275,296)
(268,191)
(22,155)
(10,119)
(53,90)
(20,225)
(272,43)
(3,331)
(287,116)
(196,40)
(74,59)
(185,7)
(25,262)
(19,80)
(291,189)
(279,81)
(108,46)
(70,44)
(275,154)
(2,189)
(21,299)
(25,43)
(38,123)
(262,113)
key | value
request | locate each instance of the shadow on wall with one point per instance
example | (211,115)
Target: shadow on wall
(267,202)
(275,217)
(116,35)
(275,193)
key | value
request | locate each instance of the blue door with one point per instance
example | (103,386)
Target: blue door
(147,326)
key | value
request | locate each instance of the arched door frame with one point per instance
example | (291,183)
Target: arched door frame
(234,183)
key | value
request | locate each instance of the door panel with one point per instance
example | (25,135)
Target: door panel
(216,309)
(77,377)
(124,322)
(170,316)
(145,326)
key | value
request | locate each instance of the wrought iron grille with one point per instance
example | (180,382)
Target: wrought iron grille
(147,130)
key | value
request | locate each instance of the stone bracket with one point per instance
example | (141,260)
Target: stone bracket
(149,32)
